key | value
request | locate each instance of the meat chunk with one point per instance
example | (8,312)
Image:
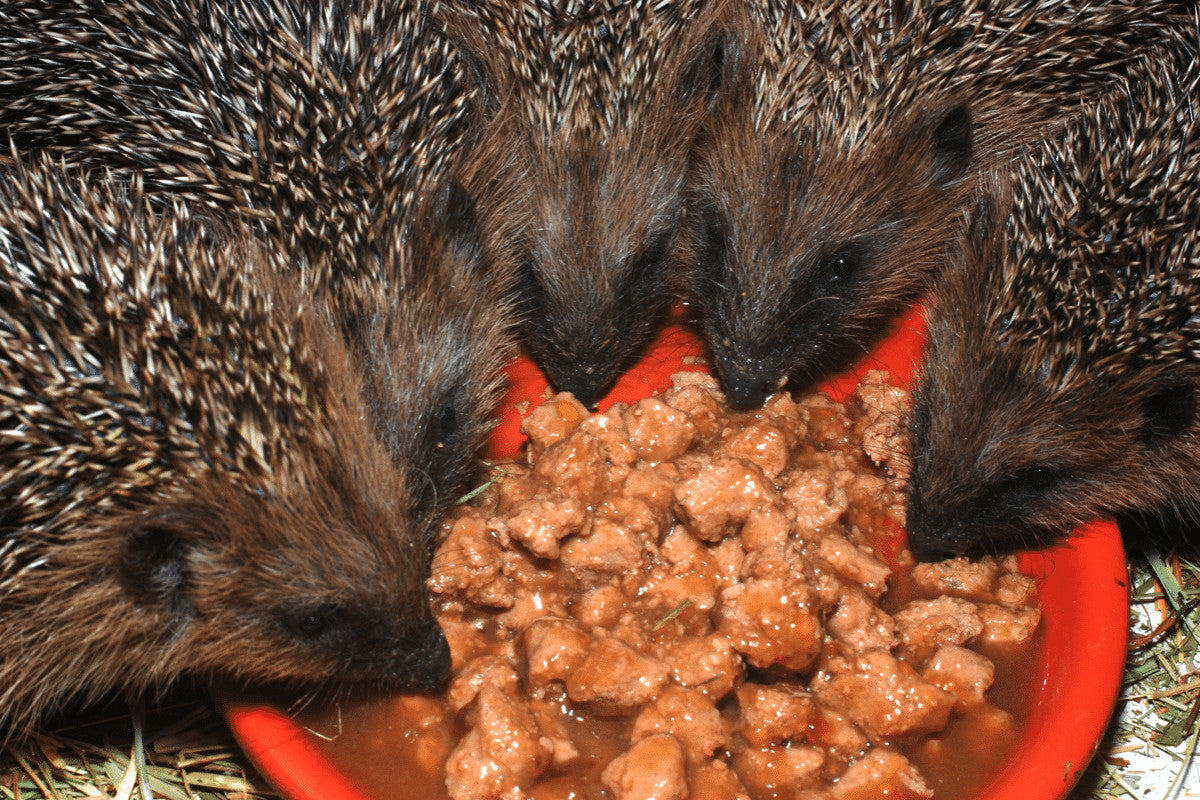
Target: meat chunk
(615,676)
(715,502)
(778,772)
(697,395)
(881,773)
(653,485)
(601,606)
(1015,591)
(552,421)
(579,467)
(688,715)
(813,501)
(884,436)
(855,564)
(958,577)
(707,663)
(657,431)
(769,623)
(961,671)
(762,444)
(1007,627)
(468,564)
(766,527)
(652,769)
(549,717)
(609,548)
(489,669)
(716,781)
(886,697)
(837,734)
(540,523)
(926,625)
(504,750)
(554,648)
(859,625)
(773,714)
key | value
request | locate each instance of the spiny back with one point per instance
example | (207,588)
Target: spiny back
(584,67)
(326,122)
(139,351)
(1103,235)
(848,70)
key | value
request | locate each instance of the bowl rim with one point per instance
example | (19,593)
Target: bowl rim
(1067,722)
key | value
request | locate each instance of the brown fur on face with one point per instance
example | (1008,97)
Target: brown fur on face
(205,469)
(597,103)
(1059,382)
(830,178)
(803,252)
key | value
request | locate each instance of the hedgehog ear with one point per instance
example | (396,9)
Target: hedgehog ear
(951,141)
(462,226)
(153,566)
(478,53)
(708,69)
(1167,411)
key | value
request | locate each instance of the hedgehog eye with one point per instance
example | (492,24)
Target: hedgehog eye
(714,237)
(1026,486)
(445,422)
(835,272)
(312,623)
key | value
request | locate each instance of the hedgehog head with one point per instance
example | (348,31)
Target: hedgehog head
(234,475)
(306,592)
(808,244)
(598,105)
(428,333)
(1057,386)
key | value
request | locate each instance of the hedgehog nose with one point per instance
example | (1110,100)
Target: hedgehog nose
(926,541)
(746,393)
(587,394)
(427,668)
(587,387)
(748,381)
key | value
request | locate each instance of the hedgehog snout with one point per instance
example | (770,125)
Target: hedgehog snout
(588,378)
(425,667)
(748,382)
(932,539)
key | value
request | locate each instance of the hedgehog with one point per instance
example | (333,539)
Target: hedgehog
(200,473)
(1059,382)
(846,140)
(598,104)
(343,135)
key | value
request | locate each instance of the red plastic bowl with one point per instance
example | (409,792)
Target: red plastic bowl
(1082,584)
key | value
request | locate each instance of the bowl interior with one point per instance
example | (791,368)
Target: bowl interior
(1082,584)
